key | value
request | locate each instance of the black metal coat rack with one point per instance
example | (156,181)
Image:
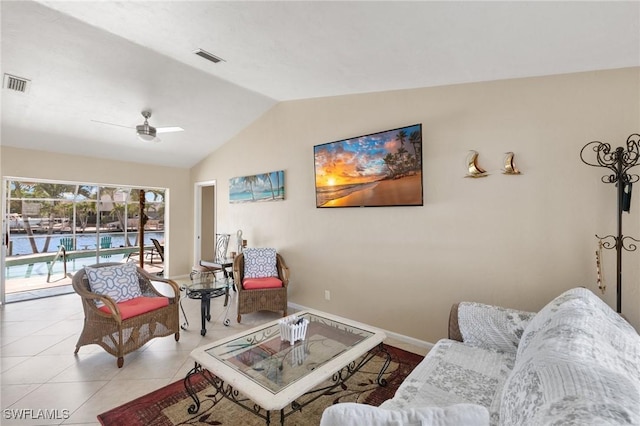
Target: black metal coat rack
(619,162)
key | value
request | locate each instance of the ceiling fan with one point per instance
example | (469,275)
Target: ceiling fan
(145,131)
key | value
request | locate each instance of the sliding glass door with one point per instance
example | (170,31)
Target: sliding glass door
(55,228)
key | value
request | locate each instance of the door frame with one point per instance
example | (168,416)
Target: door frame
(5,234)
(197,215)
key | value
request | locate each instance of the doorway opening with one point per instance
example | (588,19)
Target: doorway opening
(205,220)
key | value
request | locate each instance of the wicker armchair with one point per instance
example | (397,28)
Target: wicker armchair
(268,299)
(120,336)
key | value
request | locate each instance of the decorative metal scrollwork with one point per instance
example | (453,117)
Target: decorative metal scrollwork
(610,242)
(630,246)
(619,161)
(197,369)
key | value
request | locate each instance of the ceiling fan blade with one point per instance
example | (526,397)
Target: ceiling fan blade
(169,129)
(112,124)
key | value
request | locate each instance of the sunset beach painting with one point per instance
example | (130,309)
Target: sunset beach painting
(375,170)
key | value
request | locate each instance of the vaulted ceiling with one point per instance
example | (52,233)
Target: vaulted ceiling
(94,62)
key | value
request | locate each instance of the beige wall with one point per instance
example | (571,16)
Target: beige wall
(511,240)
(517,241)
(46,165)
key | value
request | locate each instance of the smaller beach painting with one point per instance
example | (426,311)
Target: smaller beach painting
(261,187)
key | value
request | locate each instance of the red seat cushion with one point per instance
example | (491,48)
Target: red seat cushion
(260,283)
(138,306)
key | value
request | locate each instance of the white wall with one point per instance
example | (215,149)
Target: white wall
(517,241)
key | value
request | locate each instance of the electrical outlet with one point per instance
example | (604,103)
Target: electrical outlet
(327,295)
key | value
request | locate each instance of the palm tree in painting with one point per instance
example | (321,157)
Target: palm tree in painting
(267,178)
(390,162)
(415,138)
(402,158)
(278,183)
(250,180)
(401,136)
(402,151)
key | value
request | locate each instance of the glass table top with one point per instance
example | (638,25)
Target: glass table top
(204,282)
(262,357)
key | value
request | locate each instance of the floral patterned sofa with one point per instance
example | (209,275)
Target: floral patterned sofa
(576,362)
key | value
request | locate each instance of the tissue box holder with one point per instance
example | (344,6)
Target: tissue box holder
(292,332)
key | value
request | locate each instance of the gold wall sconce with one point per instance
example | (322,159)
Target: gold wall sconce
(509,167)
(474,170)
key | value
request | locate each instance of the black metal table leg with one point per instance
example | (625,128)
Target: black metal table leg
(185,324)
(226,296)
(204,308)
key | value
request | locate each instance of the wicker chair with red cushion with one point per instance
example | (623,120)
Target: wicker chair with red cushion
(261,285)
(122,308)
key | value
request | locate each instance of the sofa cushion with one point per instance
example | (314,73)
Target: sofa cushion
(492,326)
(138,306)
(261,283)
(452,373)
(578,364)
(352,414)
(119,282)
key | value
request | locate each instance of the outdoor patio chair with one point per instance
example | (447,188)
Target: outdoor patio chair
(67,243)
(105,242)
(261,277)
(159,248)
(122,308)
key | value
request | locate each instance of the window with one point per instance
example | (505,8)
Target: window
(93,223)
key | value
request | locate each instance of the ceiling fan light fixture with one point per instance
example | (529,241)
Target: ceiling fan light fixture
(146,133)
(145,137)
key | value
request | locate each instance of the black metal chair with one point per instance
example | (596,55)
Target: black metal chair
(221,247)
(160,249)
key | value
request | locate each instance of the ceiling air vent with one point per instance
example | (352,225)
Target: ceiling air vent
(17,84)
(208,56)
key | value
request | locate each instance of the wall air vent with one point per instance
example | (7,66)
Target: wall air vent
(17,84)
(208,56)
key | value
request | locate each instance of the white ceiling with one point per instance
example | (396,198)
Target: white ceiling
(107,61)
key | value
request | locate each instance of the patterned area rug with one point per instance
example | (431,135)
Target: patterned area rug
(168,406)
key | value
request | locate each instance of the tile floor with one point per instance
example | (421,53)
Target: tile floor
(38,370)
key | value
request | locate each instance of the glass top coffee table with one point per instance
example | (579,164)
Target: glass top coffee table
(259,371)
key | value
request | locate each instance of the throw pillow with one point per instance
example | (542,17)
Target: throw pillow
(352,414)
(260,262)
(578,365)
(119,282)
(492,327)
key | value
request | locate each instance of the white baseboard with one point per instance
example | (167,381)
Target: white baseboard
(397,336)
